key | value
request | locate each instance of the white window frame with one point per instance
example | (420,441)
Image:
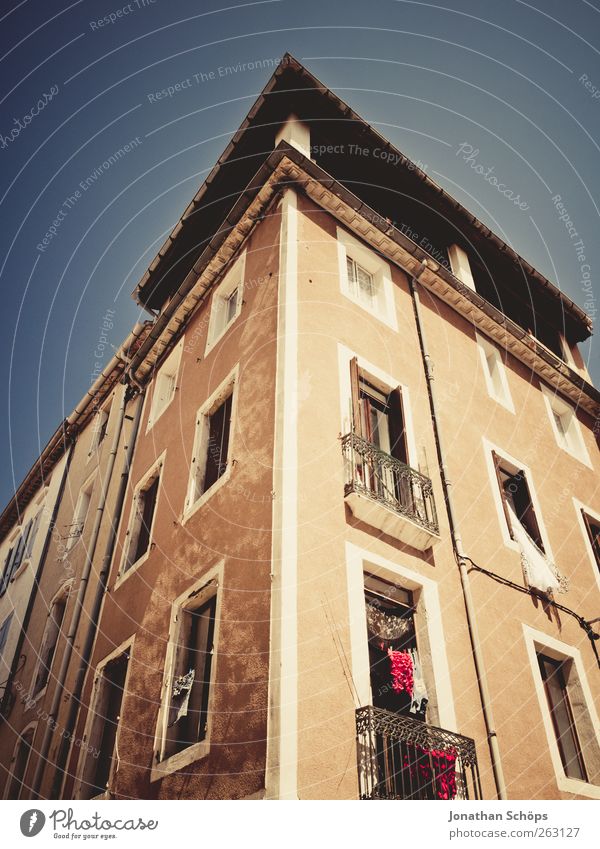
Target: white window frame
(211,584)
(360,560)
(6,621)
(79,518)
(126,646)
(384,382)
(233,279)
(124,571)
(200,445)
(10,771)
(347,245)
(167,374)
(500,393)
(572,441)
(537,641)
(579,506)
(63,592)
(509,542)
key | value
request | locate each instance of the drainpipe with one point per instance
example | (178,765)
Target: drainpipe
(86,653)
(78,609)
(6,699)
(457,544)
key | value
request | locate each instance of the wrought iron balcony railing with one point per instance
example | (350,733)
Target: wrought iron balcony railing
(402,758)
(380,477)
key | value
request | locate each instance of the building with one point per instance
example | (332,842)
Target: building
(354,547)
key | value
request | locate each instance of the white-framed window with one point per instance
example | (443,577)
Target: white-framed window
(16,787)
(74,531)
(367,573)
(589,522)
(366,278)
(494,372)
(4,629)
(20,551)
(565,426)
(185,716)
(568,712)
(99,426)
(138,537)
(226,304)
(165,384)
(211,461)
(461,266)
(47,651)
(100,756)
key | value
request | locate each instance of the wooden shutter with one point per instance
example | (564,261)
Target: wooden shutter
(503,496)
(7,572)
(525,510)
(355,396)
(397,425)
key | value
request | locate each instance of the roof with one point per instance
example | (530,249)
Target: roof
(428,208)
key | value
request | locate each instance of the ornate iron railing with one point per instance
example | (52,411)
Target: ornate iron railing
(402,758)
(372,472)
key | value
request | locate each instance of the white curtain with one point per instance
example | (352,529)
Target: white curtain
(539,572)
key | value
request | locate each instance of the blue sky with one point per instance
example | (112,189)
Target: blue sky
(518,82)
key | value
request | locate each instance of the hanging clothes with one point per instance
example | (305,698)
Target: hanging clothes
(538,571)
(434,771)
(402,671)
(419,693)
(182,689)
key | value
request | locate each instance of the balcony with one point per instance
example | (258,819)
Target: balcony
(402,758)
(387,494)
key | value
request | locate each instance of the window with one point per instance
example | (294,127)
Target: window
(211,457)
(141,523)
(516,499)
(101,754)
(49,643)
(592,527)
(226,302)
(4,629)
(75,529)
(554,675)
(494,372)
(185,717)
(378,414)
(16,785)
(460,265)
(391,631)
(361,283)
(165,384)
(98,431)
(565,426)
(365,278)
(20,552)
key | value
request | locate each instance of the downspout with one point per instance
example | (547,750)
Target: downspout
(457,544)
(86,653)
(75,619)
(4,706)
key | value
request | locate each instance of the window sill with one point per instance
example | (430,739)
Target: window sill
(504,402)
(22,568)
(122,577)
(201,500)
(212,343)
(174,763)
(584,460)
(152,419)
(581,788)
(384,317)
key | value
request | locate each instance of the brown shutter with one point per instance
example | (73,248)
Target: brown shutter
(397,425)
(355,396)
(496,460)
(528,513)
